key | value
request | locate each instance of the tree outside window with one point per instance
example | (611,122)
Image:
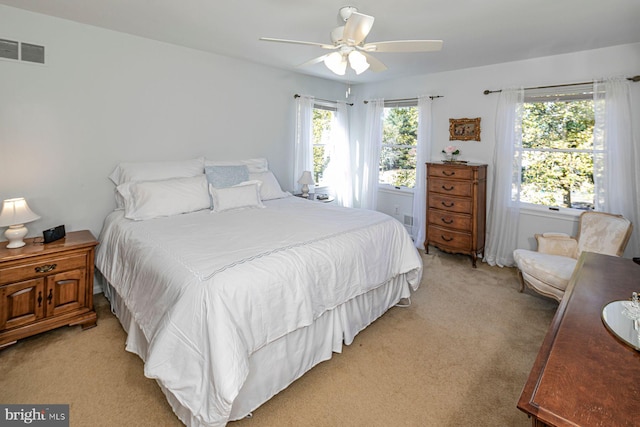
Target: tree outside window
(399,143)
(322,146)
(557,157)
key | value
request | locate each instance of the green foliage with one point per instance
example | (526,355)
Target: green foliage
(557,164)
(399,141)
(321,133)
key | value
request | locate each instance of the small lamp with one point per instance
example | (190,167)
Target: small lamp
(15,213)
(306,180)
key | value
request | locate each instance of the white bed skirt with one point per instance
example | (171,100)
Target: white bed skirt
(276,365)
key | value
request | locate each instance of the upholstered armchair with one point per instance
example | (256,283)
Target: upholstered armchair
(548,270)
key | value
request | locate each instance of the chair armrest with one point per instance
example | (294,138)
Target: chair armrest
(557,244)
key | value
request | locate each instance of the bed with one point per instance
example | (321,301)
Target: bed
(228,307)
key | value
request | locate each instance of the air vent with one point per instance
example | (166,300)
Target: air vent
(408,220)
(32,53)
(10,49)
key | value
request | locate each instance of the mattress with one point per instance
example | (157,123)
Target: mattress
(210,296)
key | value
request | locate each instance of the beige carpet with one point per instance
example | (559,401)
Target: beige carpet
(458,356)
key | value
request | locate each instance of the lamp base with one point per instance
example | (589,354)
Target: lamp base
(15,234)
(305,191)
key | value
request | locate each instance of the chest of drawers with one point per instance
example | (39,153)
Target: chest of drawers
(456,208)
(45,286)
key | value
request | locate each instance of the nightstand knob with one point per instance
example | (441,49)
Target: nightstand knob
(46,268)
(39,299)
(50,296)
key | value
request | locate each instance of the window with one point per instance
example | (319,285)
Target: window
(399,143)
(323,120)
(557,149)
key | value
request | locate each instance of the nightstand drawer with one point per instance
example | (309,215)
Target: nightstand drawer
(451,186)
(450,204)
(42,266)
(449,238)
(450,220)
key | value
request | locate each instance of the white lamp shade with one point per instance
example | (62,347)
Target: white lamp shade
(358,62)
(306,178)
(336,62)
(15,212)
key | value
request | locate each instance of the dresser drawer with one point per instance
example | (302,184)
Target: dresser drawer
(451,186)
(450,220)
(445,171)
(42,266)
(450,204)
(449,238)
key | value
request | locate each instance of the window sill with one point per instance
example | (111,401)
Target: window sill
(566,214)
(395,190)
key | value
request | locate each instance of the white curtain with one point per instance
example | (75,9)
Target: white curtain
(371,161)
(303,145)
(504,210)
(423,151)
(339,170)
(615,173)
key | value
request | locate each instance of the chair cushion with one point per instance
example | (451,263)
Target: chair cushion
(546,270)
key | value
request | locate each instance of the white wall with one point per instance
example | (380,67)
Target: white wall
(463,97)
(105,97)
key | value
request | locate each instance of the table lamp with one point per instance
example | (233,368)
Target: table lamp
(306,180)
(15,213)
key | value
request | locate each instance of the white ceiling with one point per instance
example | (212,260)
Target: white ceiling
(475,32)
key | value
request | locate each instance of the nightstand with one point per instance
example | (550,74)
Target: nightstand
(45,286)
(314,197)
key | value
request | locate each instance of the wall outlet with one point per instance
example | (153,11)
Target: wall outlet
(396,209)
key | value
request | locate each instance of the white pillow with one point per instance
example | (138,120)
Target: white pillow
(270,188)
(254,165)
(151,199)
(155,171)
(243,195)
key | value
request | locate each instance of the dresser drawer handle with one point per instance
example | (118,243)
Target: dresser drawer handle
(448,188)
(46,268)
(448,205)
(447,221)
(446,239)
(447,173)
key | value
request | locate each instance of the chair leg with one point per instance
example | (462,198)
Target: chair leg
(522,284)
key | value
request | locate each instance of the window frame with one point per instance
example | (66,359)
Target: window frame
(553,94)
(327,106)
(389,187)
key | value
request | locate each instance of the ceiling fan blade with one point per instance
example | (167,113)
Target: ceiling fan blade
(404,46)
(357,28)
(322,45)
(313,61)
(375,64)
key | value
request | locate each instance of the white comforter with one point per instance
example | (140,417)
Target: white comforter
(209,289)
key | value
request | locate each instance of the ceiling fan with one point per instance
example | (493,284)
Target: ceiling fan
(348,44)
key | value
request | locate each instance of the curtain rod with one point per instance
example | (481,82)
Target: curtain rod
(633,79)
(408,99)
(324,100)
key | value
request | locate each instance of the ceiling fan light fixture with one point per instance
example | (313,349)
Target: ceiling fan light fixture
(358,62)
(346,12)
(336,62)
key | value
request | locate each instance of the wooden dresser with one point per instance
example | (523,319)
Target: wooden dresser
(45,286)
(456,207)
(584,375)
